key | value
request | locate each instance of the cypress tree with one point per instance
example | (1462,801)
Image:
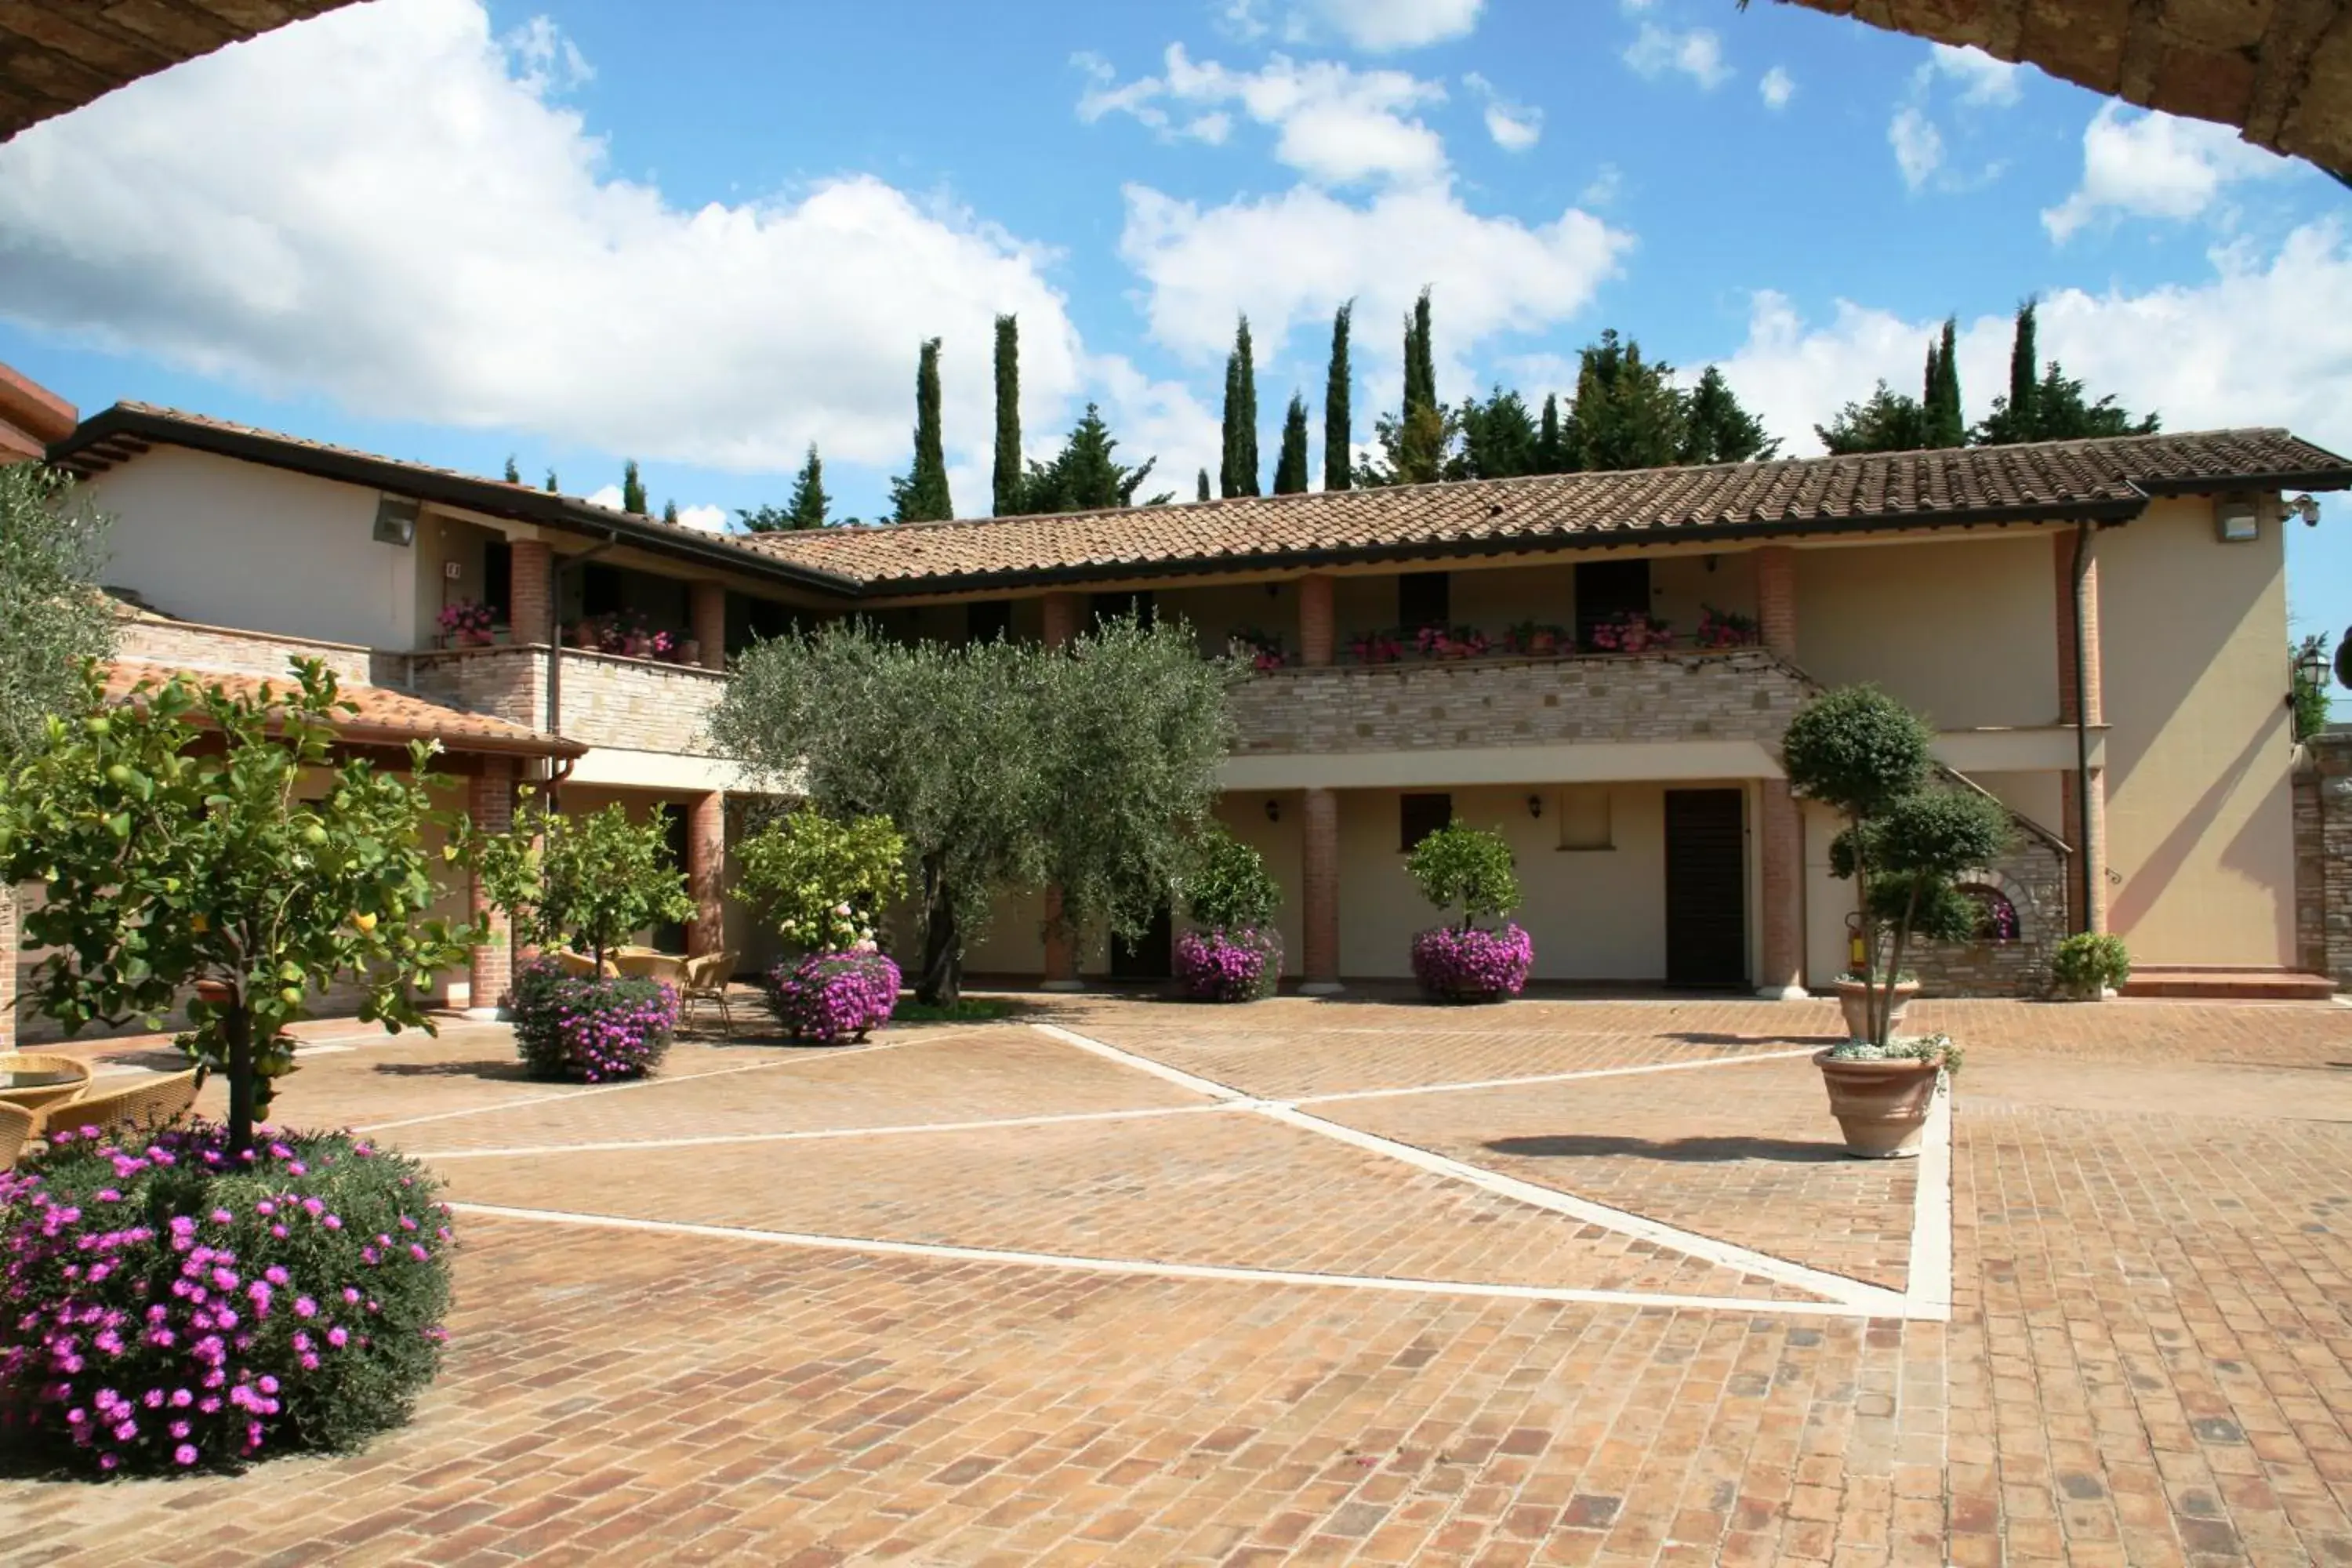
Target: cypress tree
(922,495)
(1950,428)
(1204,486)
(1931,388)
(808,505)
(669,512)
(633,490)
(1290,469)
(514,475)
(1339,436)
(2023,378)
(1008,416)
(552,488)
(1551,451)
(1422,429)
(1237,475)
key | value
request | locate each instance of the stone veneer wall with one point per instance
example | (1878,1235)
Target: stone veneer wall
(2032,875)
(1739,694)
(638,704)
(506,682)
(2323,856)
(226,648)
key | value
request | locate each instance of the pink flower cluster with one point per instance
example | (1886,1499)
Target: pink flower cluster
(590,1030)
(1632,632)
(1458,965)
(1726,628)
(1220,965)
(165,1304)
(829,997)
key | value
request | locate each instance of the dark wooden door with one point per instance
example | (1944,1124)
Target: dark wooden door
(1151,956)
(1706,887)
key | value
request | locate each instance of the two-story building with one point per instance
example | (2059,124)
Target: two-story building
(1429,652)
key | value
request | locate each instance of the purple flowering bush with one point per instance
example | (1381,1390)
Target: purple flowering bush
(589,1031)
(165,1305)
(1457,963)
(829,997)
(1238,965)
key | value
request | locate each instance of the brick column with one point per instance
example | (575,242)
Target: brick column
(1319,895)
(706,872)
(489,801)
(9,958)
(531,616)
(1315,621)
(1062,612)
(1781,827)
(707,620)
(2087,898)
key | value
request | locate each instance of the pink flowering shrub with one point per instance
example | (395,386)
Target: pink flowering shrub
(1457,963)
(166,1306)
(589,1031)
(829,997)
(1237,965)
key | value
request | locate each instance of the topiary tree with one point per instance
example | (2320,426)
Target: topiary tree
(1867,757)
(193,836)
(1230,889)
(588,882)
(822,881)
(1466,868)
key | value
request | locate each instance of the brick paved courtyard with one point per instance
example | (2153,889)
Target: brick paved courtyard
(1359,1282)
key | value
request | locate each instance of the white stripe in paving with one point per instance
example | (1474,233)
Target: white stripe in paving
(1132,1268)
(1930,1291)
(717,1139)
(1551,1076)
(1157,1069)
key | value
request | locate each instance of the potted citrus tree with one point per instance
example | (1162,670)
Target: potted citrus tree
(1237,955)
(1906,842)
(1469,871)
(824,882)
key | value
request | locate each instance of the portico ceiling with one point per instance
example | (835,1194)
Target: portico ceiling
(2279,71)
(58,55)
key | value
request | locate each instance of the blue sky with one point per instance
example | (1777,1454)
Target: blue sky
(705,235)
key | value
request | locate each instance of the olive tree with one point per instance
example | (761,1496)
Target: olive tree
(193,836)
(1867,757)
(52,615)
(1005,766)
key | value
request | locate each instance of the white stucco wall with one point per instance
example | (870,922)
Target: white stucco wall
(237,545)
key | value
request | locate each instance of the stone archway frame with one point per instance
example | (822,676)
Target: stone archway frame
(2020,896)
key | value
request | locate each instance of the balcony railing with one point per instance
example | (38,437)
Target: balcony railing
(1733,694)
(599,699)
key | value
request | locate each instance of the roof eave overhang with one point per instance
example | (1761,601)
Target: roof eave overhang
(2114,511)
(496,499)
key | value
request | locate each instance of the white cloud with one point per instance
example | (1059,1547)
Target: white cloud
(1778,86)
(1332,123)
(1608,183)
(1983,79)
(2154,166)
(1379,26)
(1516,127)
(1918,145)
(2262,341)
(609,497)
(709,518)
(1697,54)
(386,205)
(1291,259)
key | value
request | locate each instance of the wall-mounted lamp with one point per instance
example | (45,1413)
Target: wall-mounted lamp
(1272,809)
(395,521)
(2236,520)
(1534,805)
(2304,508)
(1710,563)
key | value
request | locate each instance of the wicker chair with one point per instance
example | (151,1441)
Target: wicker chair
(648,964)
(16,1125)
(578,966)
(706,981)
(145,1106)
(72,1076)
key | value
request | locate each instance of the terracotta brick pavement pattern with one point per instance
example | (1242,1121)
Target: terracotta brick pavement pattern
(2146,1361)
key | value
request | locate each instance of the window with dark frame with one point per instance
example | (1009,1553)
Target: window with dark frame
(498,580)
(1606,590)
(1424,599)
(1419,815)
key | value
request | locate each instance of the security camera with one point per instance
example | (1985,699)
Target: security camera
(2307,509)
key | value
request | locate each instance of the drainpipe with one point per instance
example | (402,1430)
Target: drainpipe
(2092,871)
(556,649)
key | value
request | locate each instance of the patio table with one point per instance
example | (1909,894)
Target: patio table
(36,1082)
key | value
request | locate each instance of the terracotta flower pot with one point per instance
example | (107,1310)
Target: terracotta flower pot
(1854,1001)
(215,991)
(1882,1107)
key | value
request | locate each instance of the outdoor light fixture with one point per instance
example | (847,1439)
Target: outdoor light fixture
(1272,809)
(1534,805)
(2236,520)
(2312,665)
(2307,509)
(395,521)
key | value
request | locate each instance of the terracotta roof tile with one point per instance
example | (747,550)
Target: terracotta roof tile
(2044,481)
(385,716)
